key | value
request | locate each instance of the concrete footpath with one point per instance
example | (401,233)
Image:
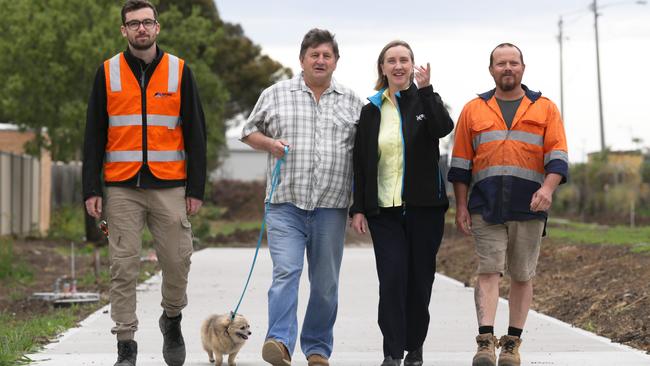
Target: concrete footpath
(216,281)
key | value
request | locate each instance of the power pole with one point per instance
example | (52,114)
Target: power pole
(594,7)
(560,39)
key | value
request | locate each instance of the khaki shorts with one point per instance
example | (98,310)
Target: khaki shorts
(511,248)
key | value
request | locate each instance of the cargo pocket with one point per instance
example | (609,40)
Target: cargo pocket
(185,239)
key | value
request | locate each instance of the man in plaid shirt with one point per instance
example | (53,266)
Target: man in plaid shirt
(315,117)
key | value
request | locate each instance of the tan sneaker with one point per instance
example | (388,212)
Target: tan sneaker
(317,360)
(509,355)
(485,354)
(275,353)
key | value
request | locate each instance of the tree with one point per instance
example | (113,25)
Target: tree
(49,53)
(239,62)
(193,38)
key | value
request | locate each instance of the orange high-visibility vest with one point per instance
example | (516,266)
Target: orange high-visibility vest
(165,149)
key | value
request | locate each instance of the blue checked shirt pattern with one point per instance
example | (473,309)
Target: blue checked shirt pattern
(318,168)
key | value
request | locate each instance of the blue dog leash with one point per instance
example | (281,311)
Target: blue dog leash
(275,178)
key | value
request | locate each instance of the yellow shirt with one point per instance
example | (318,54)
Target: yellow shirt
(390,168)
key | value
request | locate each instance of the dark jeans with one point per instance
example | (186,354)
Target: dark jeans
(406,244)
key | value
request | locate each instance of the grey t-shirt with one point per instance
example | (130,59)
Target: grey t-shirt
(508,109)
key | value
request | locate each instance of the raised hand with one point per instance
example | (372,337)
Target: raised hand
(423,76)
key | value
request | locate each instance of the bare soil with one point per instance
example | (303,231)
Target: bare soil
(603,289)
(48,261)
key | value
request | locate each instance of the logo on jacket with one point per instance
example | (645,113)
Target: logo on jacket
(420,117)
(162,95)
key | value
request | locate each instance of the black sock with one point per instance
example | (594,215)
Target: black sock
(486,329)
(512,331)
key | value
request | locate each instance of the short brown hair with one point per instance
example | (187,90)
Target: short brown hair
(382,81)
(506,44)
(133,5)
(316,37)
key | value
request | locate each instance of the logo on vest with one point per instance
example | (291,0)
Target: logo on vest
(420,117)
(162,95)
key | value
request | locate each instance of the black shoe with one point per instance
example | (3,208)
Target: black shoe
(173,343)
(414,358)
(127,352)
(389,361)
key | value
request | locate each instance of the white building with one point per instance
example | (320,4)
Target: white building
(242,162)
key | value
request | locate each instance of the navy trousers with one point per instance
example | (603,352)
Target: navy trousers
(406,243)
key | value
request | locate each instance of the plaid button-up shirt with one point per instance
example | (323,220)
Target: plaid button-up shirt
(318,168)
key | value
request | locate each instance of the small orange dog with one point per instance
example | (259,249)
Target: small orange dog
(222,336)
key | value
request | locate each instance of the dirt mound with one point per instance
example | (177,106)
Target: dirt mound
(603,289)
(242,200)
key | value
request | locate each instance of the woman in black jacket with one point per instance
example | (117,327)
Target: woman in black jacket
(399,194)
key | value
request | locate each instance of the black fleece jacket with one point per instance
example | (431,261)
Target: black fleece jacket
(193,126)
(424,121)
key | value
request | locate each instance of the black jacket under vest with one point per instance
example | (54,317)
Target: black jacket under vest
(424,121)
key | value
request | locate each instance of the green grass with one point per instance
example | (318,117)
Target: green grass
(88,279)
(12,270)
(579,233)
(19,337)
(68,223)
(229,227)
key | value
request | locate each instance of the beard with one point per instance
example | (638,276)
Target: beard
(141,46)
(509,84)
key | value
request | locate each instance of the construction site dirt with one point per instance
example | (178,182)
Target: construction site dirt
(603,289)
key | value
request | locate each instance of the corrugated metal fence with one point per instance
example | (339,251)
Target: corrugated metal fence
(19,194)
(66,184)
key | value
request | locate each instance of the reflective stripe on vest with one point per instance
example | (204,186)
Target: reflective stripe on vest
(172,78)
(165,148)
(136,156)
(170,122)
(114,67)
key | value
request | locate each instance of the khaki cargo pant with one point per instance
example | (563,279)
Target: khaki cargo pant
(163,210)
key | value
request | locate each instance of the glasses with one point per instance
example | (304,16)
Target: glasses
(134,25)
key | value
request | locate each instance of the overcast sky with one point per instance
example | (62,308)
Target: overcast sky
(456,37)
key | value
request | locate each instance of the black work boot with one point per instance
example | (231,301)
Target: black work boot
(414,358)
(173,343)
(127,352)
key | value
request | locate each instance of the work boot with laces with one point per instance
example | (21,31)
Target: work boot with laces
(485,354)
(173,343)
(127,352)
(509,355)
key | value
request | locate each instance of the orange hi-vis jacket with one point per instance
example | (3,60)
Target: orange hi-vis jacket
(505,167)
(144,125)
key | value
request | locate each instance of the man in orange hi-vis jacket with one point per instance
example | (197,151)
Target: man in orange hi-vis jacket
(146,130)
(510,148)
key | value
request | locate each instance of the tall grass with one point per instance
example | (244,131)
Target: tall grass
(20,337)
(12,269)
(579,233)
(68,223)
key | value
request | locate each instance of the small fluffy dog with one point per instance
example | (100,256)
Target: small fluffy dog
(222,336)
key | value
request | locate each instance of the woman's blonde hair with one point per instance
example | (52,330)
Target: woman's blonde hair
(382,81)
